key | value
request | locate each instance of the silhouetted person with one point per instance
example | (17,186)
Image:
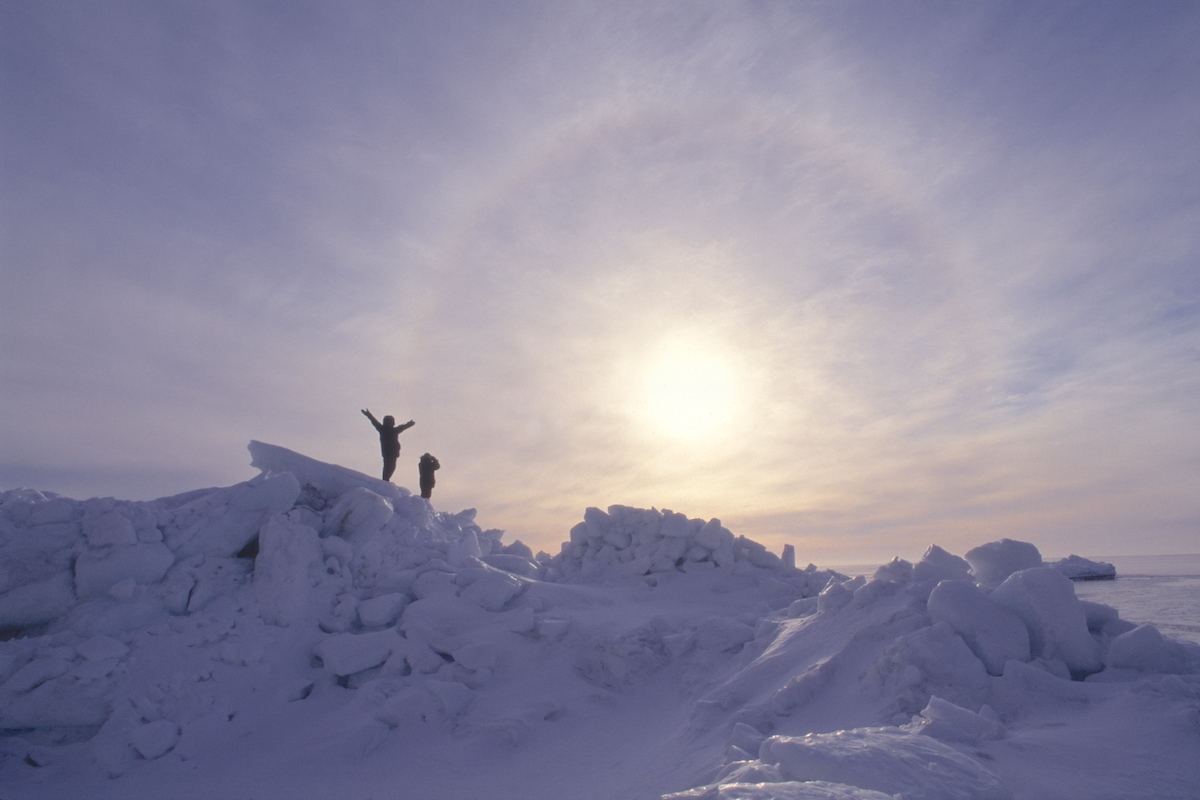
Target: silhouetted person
(389,440)
(426,466)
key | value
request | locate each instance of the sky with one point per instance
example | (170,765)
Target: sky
(856,276)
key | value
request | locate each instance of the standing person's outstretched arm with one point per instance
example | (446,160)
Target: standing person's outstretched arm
(405,426)
(374,421)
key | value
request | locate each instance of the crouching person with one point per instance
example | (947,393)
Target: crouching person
(426,467)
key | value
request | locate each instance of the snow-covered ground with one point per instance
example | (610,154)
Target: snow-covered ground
(318,633)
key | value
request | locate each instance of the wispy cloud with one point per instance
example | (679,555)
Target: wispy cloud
(946,254)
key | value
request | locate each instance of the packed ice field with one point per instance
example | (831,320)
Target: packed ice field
(315,632)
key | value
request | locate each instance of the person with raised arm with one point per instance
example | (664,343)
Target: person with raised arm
(389,440)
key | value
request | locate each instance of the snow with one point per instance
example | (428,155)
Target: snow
(943,720)
(155,739)
(347,653)
(1056,620)
(290,562)
(1146,650)
(97,571)
(221,524)
(37,602)
(379,612)
(994,634)
(315,632)
(992,563)
(886,760)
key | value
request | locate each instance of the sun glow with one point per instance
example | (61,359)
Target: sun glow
(690,390)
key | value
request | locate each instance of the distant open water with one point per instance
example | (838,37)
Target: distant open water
(1163,591)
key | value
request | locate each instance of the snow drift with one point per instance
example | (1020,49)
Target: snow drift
(314,632)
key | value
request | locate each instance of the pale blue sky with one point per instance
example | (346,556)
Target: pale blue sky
(937,264)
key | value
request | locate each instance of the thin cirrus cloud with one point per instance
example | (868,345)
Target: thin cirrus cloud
(906,273)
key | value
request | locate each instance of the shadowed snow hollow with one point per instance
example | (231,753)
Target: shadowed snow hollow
(315,632)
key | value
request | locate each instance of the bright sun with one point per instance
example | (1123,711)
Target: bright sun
(690,390)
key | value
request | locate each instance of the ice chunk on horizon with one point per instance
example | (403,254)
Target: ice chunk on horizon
(1078,568)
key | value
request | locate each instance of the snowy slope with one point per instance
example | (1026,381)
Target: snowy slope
(315,632)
